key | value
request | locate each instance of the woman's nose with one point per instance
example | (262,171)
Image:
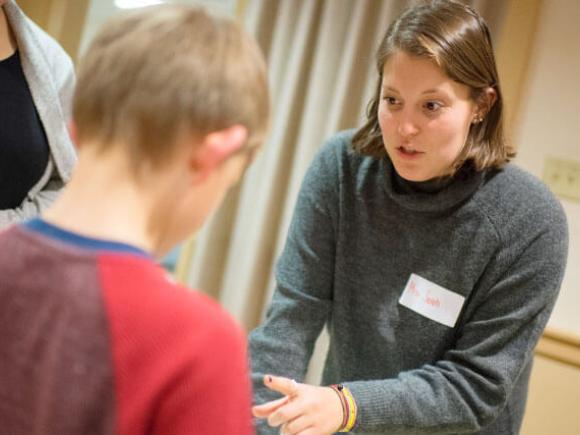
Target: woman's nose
(407,127)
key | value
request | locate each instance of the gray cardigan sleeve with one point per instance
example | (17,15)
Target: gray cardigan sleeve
(50,75)
(302,301)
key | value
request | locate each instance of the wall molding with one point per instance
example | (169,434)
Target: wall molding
(560,346)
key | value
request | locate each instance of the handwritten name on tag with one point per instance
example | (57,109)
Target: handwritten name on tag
(432,300)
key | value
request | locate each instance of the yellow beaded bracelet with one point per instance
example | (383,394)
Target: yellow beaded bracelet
(352,409)
(349,407)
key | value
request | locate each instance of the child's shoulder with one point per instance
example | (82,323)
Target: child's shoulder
(144,302)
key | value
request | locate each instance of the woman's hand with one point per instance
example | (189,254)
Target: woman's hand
(304,409)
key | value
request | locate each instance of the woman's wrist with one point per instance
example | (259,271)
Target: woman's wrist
(349,408)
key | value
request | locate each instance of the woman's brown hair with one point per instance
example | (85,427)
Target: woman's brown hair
(456,37)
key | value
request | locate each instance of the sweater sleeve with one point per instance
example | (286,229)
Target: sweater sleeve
(302,301)
(55,62)
(468,387)
(211,393)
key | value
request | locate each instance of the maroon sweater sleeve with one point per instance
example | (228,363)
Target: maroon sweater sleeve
(179,360)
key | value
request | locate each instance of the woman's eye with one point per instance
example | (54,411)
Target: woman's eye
(391,101)
(432,106)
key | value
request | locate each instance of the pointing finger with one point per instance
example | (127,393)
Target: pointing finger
(288,387)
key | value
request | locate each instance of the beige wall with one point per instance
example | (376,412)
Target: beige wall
(549,120)
(514,49)
(553,400)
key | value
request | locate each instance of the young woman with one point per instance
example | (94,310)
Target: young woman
(432,261)
(36,85)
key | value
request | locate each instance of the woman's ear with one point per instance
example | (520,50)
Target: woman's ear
(215,148)
(486,101)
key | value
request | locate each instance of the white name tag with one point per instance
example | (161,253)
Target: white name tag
(431,300)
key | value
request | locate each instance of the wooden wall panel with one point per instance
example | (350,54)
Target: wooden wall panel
(64,20)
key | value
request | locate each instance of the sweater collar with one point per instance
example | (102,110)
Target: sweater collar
(432,196)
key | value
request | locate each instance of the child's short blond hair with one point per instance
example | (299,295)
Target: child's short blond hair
(155,74)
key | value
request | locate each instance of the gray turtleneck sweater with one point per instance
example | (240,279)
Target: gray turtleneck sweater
(434,295)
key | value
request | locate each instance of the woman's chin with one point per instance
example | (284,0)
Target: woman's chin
(412,175)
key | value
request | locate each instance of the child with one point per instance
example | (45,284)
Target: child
(169,107)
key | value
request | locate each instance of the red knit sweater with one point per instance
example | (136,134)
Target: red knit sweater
(97,340)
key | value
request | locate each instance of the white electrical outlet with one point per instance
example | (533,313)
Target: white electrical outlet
(563,177)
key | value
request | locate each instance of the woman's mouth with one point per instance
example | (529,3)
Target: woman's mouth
(408,151)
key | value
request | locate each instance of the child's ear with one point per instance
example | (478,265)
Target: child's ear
(72,131)
(223,143)
(216,147)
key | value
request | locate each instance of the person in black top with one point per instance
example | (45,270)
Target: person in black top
(24,151)
(36,80)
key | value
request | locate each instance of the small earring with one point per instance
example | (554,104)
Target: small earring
(477,120)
